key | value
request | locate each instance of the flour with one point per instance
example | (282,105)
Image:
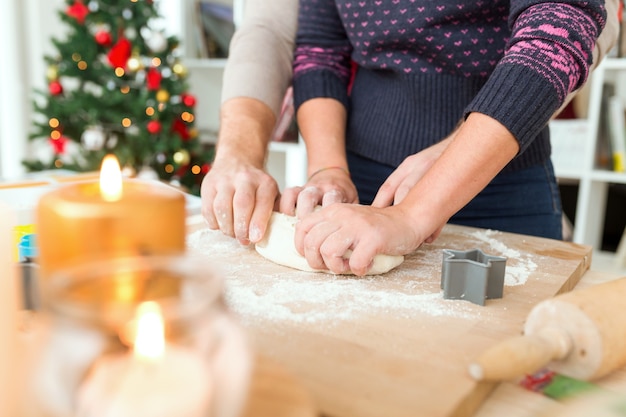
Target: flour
(518,266)
(258,290)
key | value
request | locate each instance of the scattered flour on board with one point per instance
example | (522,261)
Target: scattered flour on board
(518,266)
(257,289)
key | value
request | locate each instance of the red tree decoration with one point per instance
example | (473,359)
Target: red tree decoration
(103,38)
(55,88)
(120,53)
(153,126)
(78,11)
(58,145)
(188,100)
(153,79)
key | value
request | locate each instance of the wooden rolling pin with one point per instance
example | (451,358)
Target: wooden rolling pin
(581,334)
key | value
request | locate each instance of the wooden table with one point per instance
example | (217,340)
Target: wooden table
(361,347)
(390,345)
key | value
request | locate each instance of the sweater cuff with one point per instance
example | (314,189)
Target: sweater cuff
(318,84)
(520,99)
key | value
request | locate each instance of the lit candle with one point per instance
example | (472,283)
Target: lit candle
(8,316)
(88,221)
(157,380)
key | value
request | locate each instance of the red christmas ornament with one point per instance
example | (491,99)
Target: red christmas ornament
(181,128)
(153,127)
(103,38)
(55,88)
(153,79)
(206,168)
(188,100)
(120,53)
(78,11)
(58,145)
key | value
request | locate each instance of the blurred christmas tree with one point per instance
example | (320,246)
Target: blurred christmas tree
(117,85)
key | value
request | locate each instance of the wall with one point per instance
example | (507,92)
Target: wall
(26,27)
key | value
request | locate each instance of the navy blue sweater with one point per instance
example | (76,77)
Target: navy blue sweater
(423,66)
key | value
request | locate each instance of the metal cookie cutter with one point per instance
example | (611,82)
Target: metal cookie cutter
(472,275)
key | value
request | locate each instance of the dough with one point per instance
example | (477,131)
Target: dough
(278,246)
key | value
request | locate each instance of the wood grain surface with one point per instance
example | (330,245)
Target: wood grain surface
(275,392)
(388,345)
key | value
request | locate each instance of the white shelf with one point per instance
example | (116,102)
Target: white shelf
(580,157)
(614,64)
(608,176)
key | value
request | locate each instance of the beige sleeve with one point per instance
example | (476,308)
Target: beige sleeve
(261,52)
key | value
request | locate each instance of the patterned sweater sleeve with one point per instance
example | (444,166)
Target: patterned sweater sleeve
(547,57)
(322,57)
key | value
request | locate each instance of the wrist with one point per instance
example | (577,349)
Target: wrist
(327,168)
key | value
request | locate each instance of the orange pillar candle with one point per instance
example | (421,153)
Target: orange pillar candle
(89,221)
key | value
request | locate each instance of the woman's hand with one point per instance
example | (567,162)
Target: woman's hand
(326,186)
(408,173)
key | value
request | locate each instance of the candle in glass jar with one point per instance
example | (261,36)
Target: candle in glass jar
(90,221)
(8,315)
(157,380)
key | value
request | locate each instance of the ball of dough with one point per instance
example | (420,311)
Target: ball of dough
(278,246)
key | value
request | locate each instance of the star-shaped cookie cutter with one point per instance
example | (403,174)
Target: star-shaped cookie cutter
(472,275)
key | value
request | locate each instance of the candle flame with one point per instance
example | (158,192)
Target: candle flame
(110,179)
(150,336)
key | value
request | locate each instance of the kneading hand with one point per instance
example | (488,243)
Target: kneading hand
(238,199)
(325,187)
(325,236)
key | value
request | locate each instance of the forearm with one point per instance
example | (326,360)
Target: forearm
(322,123)
(246,126)
(480,149)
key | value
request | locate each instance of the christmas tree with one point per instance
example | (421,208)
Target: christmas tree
(117,85)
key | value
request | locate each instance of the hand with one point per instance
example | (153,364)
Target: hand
(325,236)
(327,186)
(408,173)
(238,199)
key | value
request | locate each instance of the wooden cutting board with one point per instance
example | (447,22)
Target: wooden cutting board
(388,345)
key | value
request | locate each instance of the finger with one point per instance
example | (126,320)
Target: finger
(385,195)
(223,211)
(361,258)
(308,199)
(335,252)
(401,193)
(265,202)
(303,227)
(288,200)
(331,197)
(434,236)
(243,205)
(208,197)
(313,242)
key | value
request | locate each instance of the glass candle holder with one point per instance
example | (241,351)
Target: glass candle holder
(143,336)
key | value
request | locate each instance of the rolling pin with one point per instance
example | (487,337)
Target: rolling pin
(580,334)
